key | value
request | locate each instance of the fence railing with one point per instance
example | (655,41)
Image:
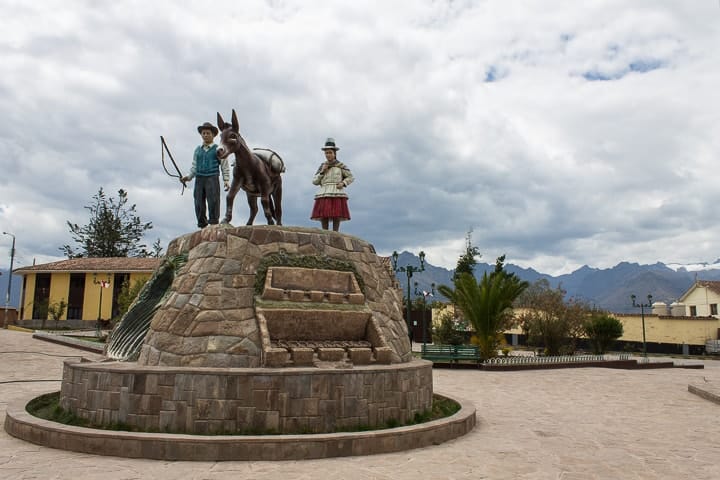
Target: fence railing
(542,360)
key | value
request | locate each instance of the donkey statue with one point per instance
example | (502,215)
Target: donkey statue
(257,172)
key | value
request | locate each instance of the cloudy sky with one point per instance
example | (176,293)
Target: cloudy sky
(561,133)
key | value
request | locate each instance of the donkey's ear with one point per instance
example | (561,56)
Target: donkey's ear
(220,122)
(235,123)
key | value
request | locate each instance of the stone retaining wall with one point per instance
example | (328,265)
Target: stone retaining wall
(212,448)
(214,400)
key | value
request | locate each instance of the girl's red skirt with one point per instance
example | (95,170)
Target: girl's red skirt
(330,207)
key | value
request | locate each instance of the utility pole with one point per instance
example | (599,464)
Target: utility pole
(9,287)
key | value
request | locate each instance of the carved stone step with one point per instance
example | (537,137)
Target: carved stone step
(312,285)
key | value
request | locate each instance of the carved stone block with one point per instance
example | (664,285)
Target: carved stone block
(383,355)
(276,358)
(331,354)
(360,356)
(302,356)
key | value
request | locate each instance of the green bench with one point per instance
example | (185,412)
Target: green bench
(452,353)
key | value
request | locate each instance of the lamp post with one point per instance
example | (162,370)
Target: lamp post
(409,270)
(7,296)
(642,306)
(425,295)
(103,284)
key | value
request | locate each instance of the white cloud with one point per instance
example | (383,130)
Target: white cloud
(563,133)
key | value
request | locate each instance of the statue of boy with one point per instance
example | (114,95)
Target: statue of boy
(331,200)
(206,167)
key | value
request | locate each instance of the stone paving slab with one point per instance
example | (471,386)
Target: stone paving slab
(706,389)
(558,424)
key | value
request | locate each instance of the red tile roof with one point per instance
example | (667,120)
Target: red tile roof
(109,264)
(713,285)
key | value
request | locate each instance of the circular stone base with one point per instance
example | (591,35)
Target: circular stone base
(161,446)
(217,401)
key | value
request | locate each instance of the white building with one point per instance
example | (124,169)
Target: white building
(702,299)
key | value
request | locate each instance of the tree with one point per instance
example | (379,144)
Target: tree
(156,249)
(40,311)
(416,304)
(467,261)
(128,294)
(114,230)
(447,331)
(602,330)
(465,264)
(55,311)
(549,320)
(486,305)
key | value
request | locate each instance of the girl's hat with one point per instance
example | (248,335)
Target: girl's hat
(330,145)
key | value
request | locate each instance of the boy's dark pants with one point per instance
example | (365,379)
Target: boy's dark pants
(207,189)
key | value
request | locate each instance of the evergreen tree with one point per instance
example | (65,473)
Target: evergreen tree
(114,230)
(467,261)
(156,249)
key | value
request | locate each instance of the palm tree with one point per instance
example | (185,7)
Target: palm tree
(486,305)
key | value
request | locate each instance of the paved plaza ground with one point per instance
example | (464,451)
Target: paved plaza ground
(569,424)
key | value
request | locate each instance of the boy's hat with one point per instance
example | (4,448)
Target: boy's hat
(330,145)
(208,126)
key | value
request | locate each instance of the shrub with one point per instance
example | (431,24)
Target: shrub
(447,332)
(602,331)
(57,310)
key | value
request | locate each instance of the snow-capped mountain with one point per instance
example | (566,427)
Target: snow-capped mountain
(694,267)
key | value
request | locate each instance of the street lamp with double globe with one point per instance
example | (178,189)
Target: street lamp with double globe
(425,294)
(642,306)
(409,270)
(103,284)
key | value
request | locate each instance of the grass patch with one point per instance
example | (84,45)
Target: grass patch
(48,407)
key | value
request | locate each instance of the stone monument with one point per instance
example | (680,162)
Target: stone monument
(265,333)
(265,329)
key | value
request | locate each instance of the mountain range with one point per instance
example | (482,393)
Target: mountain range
(608,288)
(14,294)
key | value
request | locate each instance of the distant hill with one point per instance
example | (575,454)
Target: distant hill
(14,294)
(608,288)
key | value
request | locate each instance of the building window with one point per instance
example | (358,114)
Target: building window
(41,299)
(713,309)
(693,311)
(76,296)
